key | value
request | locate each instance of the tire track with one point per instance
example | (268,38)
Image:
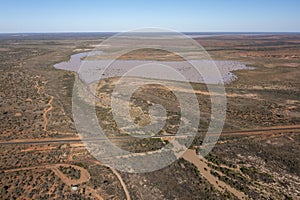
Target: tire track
(46,111)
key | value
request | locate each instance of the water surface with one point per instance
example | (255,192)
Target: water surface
(198,71)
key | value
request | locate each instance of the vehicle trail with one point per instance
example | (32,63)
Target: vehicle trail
(84,174)
(118,175)
(46,111)
(270,131)
(49,104)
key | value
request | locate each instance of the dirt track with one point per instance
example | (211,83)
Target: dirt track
(118,175)
(46,111)
(84,174)
(262,131)
(189,156)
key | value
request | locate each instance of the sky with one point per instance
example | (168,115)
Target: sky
(23,16)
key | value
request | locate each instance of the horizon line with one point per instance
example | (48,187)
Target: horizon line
(62,32)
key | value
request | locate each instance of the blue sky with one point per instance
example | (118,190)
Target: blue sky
(122,15)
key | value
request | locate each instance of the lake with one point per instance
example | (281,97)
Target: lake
(210,71)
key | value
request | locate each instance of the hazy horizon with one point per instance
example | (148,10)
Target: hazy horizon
(55,16)
(185,32)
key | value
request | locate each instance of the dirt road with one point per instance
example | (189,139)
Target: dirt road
(190,156)
(84,174)
(46,111)
(262,131)
(118,175)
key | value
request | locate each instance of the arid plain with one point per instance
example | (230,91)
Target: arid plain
(256,157)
